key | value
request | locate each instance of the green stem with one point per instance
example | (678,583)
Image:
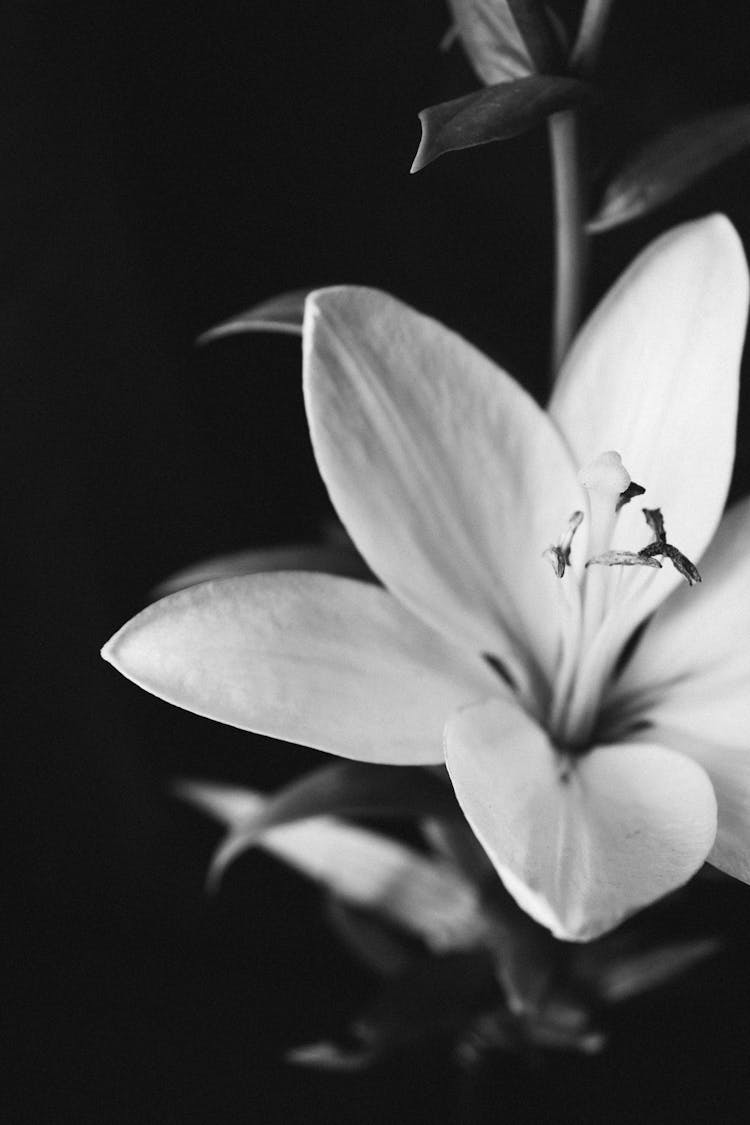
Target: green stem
(571,240)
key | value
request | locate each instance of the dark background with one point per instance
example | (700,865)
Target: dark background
(165,165)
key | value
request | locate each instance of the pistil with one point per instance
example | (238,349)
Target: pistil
(589,651)
(608,487)
(605,480)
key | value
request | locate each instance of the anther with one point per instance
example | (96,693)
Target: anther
(665,550)
(628,494)
(655,521)
(559,554)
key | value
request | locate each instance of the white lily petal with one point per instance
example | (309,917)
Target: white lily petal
(728,767)
(654,375)
(691,668)
(579,847)
(367,870)
(311,658)
(447,475)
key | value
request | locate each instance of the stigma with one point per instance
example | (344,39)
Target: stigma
(606,481)
(606,476)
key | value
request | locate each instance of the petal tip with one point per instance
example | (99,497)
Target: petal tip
(712,234)
(108,651)
(720,225)
(331,299)
(129,650)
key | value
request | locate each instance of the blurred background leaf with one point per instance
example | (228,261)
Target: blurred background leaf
(342,788)
(504,39)
(670,163)
(370,871)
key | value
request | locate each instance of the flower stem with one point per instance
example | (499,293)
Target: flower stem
(571,240)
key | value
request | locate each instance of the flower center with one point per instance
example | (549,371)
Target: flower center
(594,595)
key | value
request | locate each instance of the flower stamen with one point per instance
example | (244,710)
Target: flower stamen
(624,558)
(650,554)
(559,554)
(660,546)
(628,494)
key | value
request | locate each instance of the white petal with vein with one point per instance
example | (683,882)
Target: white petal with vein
(311,658)
(729,770)
(583,850)
(654,375)
(691,668)
(449,478)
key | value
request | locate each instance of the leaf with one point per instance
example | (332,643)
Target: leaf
(229,804)
(670,163)
(326,1055)
(372,943)
(344,789)
(494,114)
(504,39)
(456,842)
(538,32)
(629,976)
(424,897)
(590,36)
(282,313)
(339,559)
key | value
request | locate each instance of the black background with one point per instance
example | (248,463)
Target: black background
(165,165)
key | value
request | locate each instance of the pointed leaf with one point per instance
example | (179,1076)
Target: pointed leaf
(326,559)
(343,789)
(629,976)
(670,163)
(228,804)
(494,114)
(282,313)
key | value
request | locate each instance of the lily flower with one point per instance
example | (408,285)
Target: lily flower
(540,628)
